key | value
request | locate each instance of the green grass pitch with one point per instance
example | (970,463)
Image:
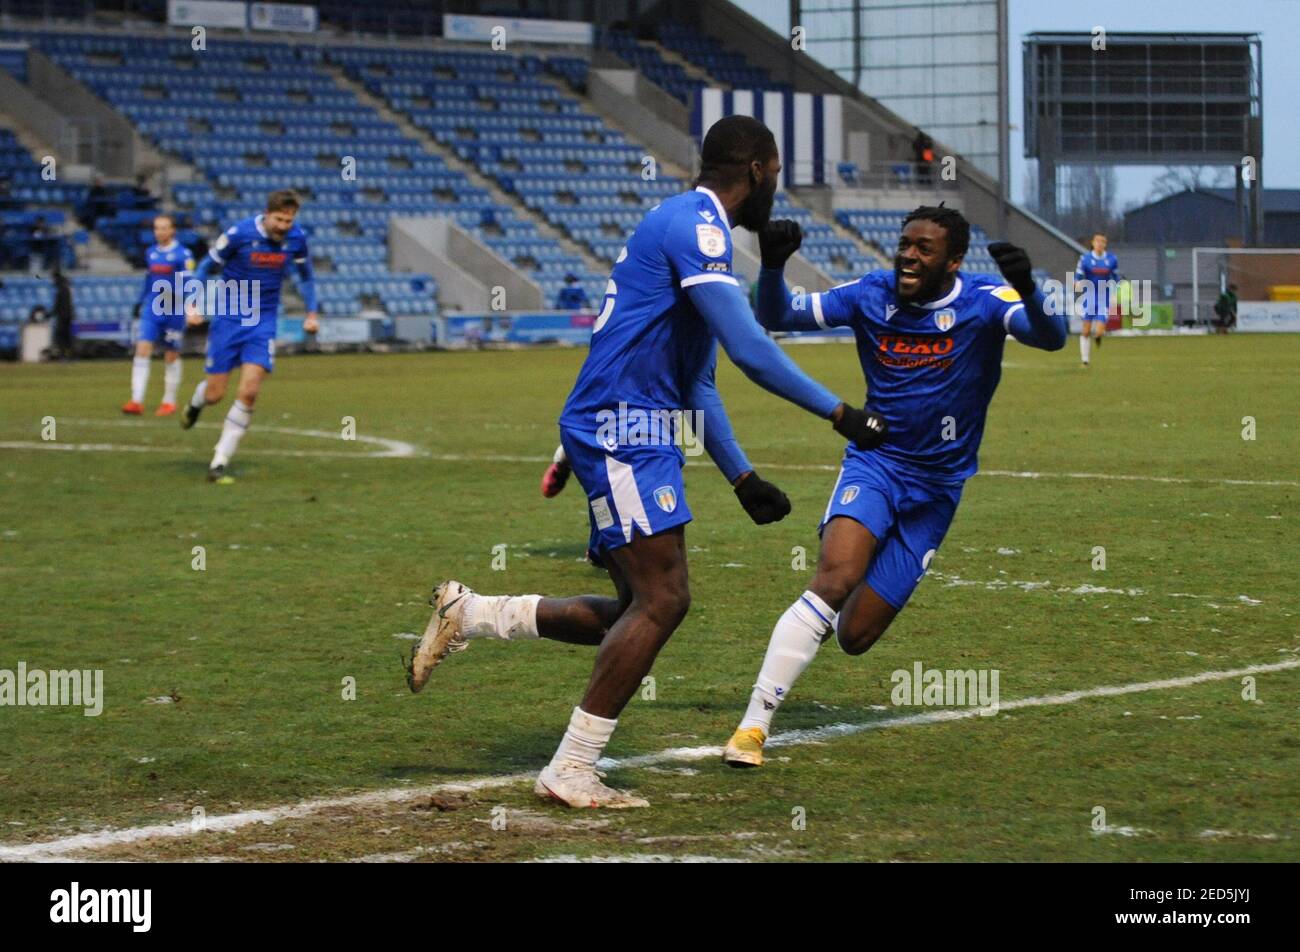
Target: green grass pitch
(320,558)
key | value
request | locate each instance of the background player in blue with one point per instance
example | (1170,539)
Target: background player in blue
(670,299)
(930,340)
(1093,279)
(252,257)
(162,317)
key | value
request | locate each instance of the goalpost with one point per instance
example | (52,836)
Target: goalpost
(1268,290)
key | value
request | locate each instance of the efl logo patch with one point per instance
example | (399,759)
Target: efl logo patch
(666,498)
(600,512)
(1007,294)
(945,319)
(711,239)
(850,493)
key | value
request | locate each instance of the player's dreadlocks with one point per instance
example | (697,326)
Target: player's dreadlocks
(730,145)
(950,220)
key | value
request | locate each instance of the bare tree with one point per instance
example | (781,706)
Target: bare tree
(1089,200)
(1182,178)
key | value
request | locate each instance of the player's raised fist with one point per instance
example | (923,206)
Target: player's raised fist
(1015,266)
(778,241)
(862,427)
(763,501)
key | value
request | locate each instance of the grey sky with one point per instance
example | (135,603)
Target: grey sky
(1276,21)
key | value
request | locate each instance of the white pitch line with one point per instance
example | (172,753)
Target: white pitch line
(395,449)
(388,448)
(1147,479)
(59,849)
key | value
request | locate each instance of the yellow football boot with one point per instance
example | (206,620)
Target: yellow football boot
(745,749)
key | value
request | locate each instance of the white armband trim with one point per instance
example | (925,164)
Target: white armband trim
(708,279)
(817,311)
(1006,318)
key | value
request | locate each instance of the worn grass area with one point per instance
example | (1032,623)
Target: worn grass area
(320,557)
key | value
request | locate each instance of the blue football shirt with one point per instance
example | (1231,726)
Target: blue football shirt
(1096,271)
(930,368)
(248,255)
(648,341)
(161,296)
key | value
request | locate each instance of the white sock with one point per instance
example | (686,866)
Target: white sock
(1085,346)
(171,380)
(232,430)
(560,458)
(795,640)
(585,739)
(139,378)
(199,400)
(512,617)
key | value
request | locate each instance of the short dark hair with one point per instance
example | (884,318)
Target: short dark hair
(282,200)
(730,145)
(950,220)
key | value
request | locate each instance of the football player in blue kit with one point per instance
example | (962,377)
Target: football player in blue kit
(671,298)
(252,257)
(162,317)
(1094,281)
(930,339)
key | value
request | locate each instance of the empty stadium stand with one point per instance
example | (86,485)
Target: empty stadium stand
(504,144)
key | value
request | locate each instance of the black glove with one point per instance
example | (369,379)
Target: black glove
(1015,266)
(777,241)
(865,429)
(763,501)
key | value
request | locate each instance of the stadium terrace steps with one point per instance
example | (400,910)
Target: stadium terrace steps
(99,257)
(249,126)
(468,169)
(868,253)
(690,69)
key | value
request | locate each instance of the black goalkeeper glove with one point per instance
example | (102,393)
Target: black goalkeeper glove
(763,501)
(777,241)
(1015,266)
(865,429)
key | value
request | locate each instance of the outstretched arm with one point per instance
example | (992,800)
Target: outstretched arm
(776,305)
(1032,325)
(728,317)
(1028,322)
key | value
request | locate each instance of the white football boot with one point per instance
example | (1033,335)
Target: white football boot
(578,785)
(442,636)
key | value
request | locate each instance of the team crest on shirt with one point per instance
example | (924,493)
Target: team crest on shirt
(666,498)
(945,319)
(711,239)
(850,493)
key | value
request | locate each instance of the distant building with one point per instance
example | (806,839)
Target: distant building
(1209,216)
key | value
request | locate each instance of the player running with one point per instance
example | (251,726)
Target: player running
(252,257)
(1094,280)
(930,340)
(162,317)
(671,298)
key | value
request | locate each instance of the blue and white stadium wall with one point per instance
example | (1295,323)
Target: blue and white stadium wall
(809,128)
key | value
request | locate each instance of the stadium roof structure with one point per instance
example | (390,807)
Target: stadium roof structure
(1178,98)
